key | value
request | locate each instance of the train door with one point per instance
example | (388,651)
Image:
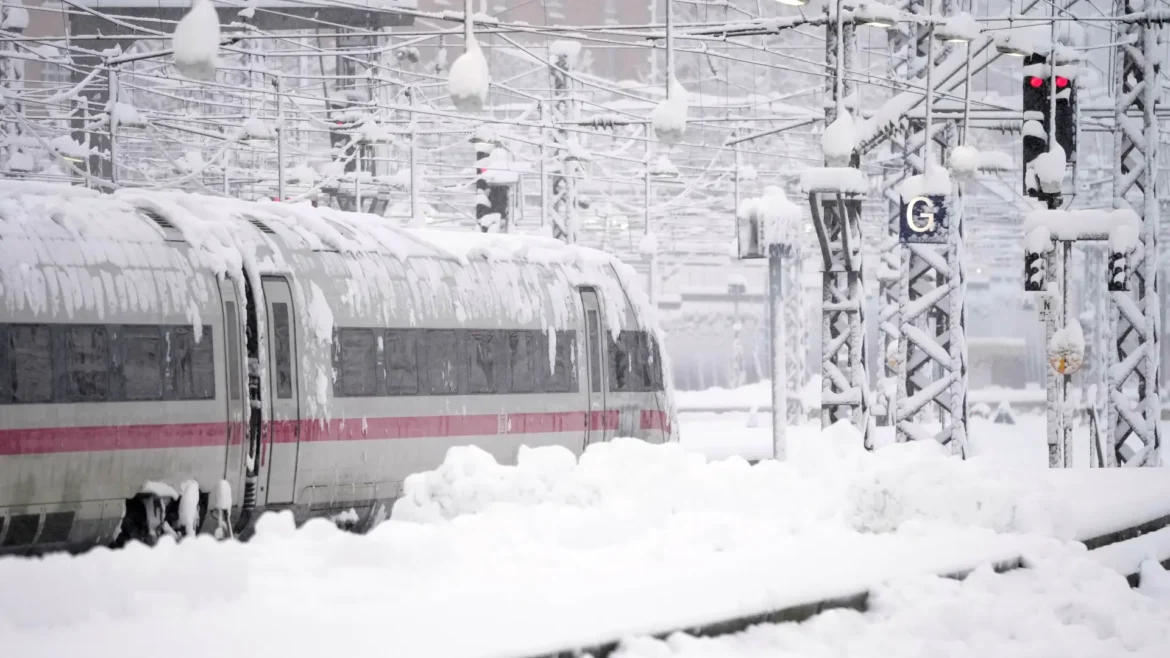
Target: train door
(234,384)
(594,351)
(283,430)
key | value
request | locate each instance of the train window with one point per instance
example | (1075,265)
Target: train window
(563,378)
(190,365)
(203,366)
(644,362)
(657,380)
(30,363)
(142,362)
(283,347)
(524,350)
(359,364)
(401,362)
(620,359)
(481,362)
(594,347)
(5,374)
(442,362)
(87,364)
(232,331)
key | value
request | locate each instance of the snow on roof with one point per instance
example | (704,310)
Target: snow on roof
(1093,224)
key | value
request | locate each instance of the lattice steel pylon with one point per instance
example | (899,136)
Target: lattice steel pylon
(563,207)
(932,347)
(903,50)
(836,209)
(1134,409)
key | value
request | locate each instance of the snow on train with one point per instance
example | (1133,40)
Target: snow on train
(162,351)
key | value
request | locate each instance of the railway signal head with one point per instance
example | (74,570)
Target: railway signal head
(1040,81)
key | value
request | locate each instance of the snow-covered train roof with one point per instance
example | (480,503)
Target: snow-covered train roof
(172,235)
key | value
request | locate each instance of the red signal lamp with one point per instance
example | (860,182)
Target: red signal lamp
(1035,82)
(1061,82)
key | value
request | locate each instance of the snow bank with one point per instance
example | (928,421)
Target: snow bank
(196,42)
(1065,606)
(481,559)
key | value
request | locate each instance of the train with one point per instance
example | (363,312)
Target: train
(175,363)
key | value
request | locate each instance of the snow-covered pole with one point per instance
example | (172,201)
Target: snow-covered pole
(468,10)
(839,75)
(778,346)
(926,136)
(650,243)
(278,83)
(1052,90)
(415,178)
(669,46)
(1066,319)
(967,97)
(542,113)
(112,92)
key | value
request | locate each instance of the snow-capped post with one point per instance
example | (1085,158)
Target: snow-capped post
(469,80)
(670,115)
(415,178)
(769,226)
(562,59)
(278,86)
(196,42)
(114,118)
(649,244)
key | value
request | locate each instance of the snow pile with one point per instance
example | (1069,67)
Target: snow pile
(913,482)
(1066,350)
(648,244)
(833,179)
(995,160)
(66,146)
(780,218)
(15,16)
(958,28)
(829,480)
(1154,581)
(965,160)
(936,182)
(670,116)
(1064,606)
(567,50)
(1048,168)
(838,141)
(196,42)
(1088,224)
(469,80)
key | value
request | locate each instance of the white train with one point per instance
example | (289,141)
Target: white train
(155,343)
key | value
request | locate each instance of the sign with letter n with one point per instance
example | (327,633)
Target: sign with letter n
(924,220)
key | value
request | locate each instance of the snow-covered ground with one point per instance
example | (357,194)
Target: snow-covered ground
(483,560)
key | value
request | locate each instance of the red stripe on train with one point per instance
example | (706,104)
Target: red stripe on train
(196,435)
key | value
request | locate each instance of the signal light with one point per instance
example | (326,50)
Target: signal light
(1061,82)
(1035,82)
